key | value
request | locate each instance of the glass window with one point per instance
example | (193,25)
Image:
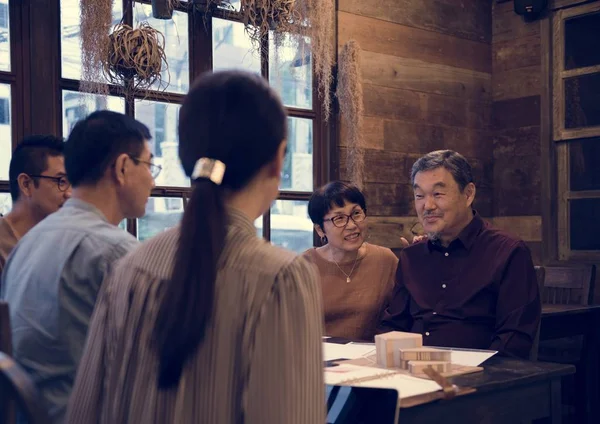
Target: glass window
(290,225)
(70,29)
(5,203)
(580,50)
(585,236)
(298,164)
(232,48)
(583,164)
(162,213)
(290,72)
(258,223)
(4,36)
(176,78)
(77,106)
(582,108)
(5,130)
(162,119)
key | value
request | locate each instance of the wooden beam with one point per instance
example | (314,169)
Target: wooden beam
(527,228)
(516,53)
(516,83)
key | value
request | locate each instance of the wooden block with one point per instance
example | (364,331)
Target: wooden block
(417,367)
(425,354)
(388,346)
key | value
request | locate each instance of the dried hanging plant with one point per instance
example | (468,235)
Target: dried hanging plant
(350,99)
(135,56)
(299,18)
(96,18)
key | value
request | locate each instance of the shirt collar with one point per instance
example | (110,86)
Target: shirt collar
(467,236)
(240,220)
(83,205)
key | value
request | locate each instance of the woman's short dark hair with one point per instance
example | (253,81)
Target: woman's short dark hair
(31,157)
(96,141)
(335,193)
(236,118)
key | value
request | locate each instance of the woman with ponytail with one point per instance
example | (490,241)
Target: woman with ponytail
(207,323)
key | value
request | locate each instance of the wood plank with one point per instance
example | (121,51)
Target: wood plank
(413,137)
(388,38)
(516,113)
(523,141)
(387,231)
(372,133)
(380,166)
(516,53)
(408,105)
(507,25)
(417,75)
(517,83)
(527,228)
(461,19)
(389,199)
(517,186)
(484,200)
(561,4)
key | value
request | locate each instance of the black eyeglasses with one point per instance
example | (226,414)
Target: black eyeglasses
(62,182)
(154,169)
(341,221)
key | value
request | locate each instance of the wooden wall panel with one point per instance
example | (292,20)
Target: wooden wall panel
(426,69)
(469,20)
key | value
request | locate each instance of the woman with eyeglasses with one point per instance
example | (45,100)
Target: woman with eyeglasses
(356,277)
(206,322)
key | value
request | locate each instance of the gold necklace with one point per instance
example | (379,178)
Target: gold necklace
(351,271)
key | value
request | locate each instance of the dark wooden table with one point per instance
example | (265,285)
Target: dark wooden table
(508,391)
(573,320)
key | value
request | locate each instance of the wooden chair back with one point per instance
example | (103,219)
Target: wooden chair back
(572,285)
(5,332)
(540,273)
(16,387)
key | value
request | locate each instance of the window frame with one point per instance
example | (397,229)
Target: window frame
(561,137)
(39,48)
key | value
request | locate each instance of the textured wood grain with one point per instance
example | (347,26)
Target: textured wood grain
(389,38)
(506,25)
(372,133)
(413,106)
(516,113)
(517,186)
(380,166)
(517,83)
(470,20)
(516,53)
(417,75)
(524,141)
(527,228)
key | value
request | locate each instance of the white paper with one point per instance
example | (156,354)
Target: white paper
(347,351)
(467,357)
(406,385)
(344,372)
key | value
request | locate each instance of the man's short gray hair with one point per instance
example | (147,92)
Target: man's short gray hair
(453,162)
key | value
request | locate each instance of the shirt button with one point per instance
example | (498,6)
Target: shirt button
(446,254)
(427,333)
(443,286)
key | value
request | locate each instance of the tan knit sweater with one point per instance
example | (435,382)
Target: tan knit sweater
(352,310)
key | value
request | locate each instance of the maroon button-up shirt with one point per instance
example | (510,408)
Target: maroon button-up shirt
(480,292)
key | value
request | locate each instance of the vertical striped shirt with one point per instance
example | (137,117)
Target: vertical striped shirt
(260,361)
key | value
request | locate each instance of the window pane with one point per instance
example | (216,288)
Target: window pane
(583,164)
(123,225)
(290,225)
(585,225)
(4,36)
(70,28)
(5,130)
(232,48)
(298,164)
(162,119)
(162,213)
(176,78)
(580,50)
(582,108)
(290,72)
(258,223)
(5,203)
(77,106)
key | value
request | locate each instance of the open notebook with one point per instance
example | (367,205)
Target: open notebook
(361,376)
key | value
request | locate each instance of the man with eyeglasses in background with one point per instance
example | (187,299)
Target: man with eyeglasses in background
(53,277)
(38,187)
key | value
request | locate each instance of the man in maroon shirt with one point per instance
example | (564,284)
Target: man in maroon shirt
(468,284)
